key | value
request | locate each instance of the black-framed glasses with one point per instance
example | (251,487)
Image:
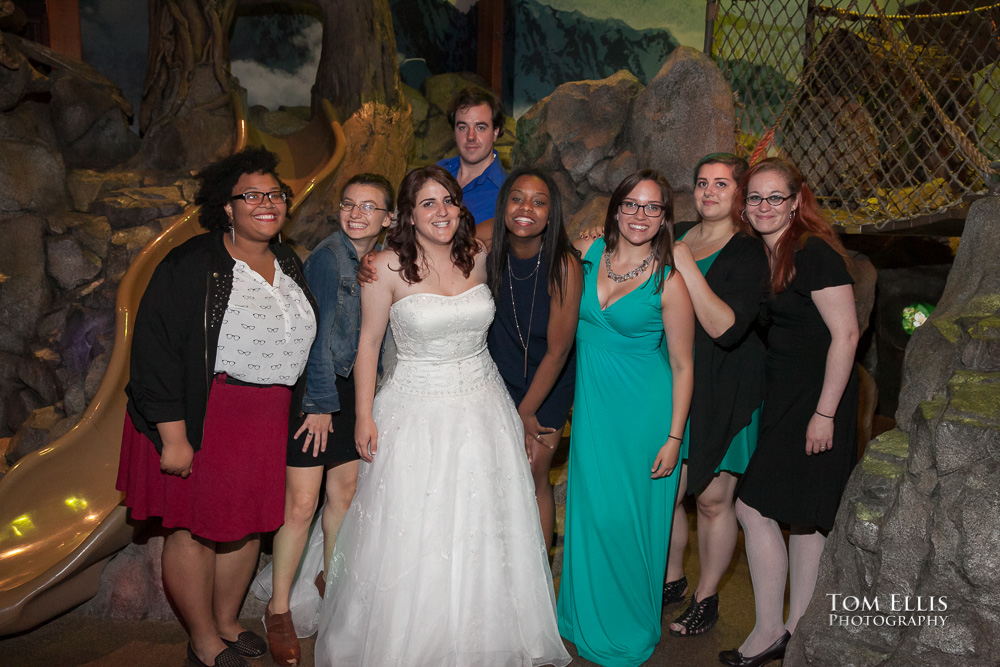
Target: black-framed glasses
(631,208)
(772,200)
(254,198)
(365,207)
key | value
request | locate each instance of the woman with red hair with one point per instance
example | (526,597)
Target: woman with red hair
(806,447)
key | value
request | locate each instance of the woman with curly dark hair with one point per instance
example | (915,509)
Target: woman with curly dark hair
(440,559)
(222,332)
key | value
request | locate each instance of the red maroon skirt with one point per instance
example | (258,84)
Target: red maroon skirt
(237,482)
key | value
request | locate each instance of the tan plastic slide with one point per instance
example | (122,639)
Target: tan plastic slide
(61,518)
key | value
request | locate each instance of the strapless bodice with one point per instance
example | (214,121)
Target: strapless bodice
(441,342)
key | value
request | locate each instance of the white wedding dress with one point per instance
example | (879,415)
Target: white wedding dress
(440,561)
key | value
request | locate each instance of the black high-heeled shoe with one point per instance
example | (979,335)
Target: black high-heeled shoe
(673,591)
(698,618)
(733,658)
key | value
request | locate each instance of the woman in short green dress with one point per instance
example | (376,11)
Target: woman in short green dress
(726,274)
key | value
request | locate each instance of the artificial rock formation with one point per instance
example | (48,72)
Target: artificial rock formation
(379,140)
(60,259)
(919,526)
(591,134)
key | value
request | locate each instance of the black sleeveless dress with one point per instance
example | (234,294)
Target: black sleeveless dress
(505,345)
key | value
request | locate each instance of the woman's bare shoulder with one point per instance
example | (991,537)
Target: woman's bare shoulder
(386,258)
(583,245)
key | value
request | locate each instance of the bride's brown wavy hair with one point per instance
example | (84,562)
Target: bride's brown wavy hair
(403,236)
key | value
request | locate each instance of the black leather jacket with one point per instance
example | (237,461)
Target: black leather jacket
(177,333)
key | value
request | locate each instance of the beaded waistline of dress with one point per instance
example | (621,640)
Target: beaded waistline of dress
(431,378)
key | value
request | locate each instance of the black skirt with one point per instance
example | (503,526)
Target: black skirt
(339,444)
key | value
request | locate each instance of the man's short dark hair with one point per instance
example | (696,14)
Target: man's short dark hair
(472,96)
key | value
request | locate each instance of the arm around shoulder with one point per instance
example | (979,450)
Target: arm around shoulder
(376,301)
(583,245)
(744,289)
(484,233)
(678,327)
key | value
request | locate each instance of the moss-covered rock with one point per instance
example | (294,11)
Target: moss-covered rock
(921,513)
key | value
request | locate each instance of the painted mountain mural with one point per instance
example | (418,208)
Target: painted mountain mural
(552,47)
(543,47)
(435,32)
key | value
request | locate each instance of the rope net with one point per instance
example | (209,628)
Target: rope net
(890,116)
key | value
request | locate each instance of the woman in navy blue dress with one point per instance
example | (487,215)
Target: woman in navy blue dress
(534,274)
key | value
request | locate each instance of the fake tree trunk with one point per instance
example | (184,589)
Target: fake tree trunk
(358,64)
(185,36)
(186,114)
(359,75)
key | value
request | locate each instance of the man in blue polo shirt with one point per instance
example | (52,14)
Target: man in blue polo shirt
(476,117)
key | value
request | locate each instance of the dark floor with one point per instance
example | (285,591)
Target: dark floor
(75,639)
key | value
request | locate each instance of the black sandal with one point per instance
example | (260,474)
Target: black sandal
(698,618)
(673,591)
(226,658)
(248,644)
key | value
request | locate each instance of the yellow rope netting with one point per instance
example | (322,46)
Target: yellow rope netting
(967,148)
(847,13)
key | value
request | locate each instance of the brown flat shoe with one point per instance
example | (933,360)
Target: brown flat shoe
(281,637)
(321,583)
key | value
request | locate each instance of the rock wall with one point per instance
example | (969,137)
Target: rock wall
(920,519)
(379,139)
(591,134)
(69,233)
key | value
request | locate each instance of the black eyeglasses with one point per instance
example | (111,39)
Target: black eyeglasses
(366,207)
(631,208)
(772,200)
(254,198)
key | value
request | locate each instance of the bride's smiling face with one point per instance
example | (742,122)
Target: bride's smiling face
(435,217)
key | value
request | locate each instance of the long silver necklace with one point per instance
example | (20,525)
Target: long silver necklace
(537,264)
(620,278)
(526,339)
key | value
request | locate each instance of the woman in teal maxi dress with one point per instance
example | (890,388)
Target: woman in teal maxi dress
(633,388)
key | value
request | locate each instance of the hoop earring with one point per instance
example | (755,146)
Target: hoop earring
(743,215)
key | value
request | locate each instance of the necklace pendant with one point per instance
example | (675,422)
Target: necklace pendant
(525,339)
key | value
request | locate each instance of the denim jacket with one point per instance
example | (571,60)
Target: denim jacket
(332,274)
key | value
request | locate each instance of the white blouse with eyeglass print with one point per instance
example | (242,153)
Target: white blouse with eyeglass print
(267,329)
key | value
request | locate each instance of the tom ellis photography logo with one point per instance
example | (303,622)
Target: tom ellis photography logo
(887,610)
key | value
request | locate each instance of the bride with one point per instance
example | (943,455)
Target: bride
(440,560)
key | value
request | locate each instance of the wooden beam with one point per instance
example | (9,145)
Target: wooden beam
(945,223)
(490,47)
(64,27)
